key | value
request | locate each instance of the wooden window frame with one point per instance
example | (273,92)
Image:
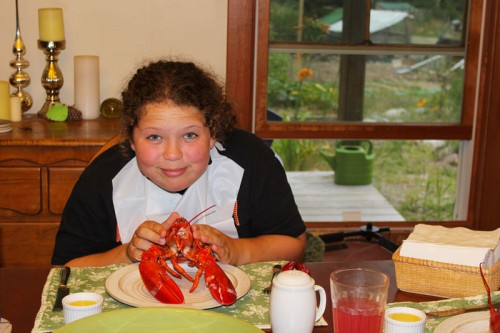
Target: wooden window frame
(479,105)
(359,130)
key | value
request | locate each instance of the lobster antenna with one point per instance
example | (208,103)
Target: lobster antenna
(203,211)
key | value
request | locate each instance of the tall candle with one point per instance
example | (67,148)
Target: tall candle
(15,109)
(4,100)
(51,24)
(87,89)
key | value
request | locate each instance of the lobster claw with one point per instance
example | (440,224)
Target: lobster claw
(220,286)
(156,279)
(494,314)
(296,265)
(216,280)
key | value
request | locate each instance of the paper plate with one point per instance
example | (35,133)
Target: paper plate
(125,285)
(147,320)
(472,322)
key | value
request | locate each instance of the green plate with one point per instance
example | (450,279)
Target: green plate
(149,320)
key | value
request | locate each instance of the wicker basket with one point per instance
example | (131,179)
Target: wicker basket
(441,279)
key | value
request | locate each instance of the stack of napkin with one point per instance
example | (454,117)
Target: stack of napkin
(460,246)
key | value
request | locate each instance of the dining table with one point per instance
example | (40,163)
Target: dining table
(21,290)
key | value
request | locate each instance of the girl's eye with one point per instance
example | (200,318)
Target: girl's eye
(190,135)
(153,137)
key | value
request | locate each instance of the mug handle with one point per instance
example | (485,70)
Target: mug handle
(322,301)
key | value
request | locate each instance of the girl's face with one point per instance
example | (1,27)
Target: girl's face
(172,145)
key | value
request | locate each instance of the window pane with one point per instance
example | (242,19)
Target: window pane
(409,180)
(373,88)
(411,22)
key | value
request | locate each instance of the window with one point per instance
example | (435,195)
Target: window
(403,86)
(324,65)
(329,75)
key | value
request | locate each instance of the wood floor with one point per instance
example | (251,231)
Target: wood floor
(321,200)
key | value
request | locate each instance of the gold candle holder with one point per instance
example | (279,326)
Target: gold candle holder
(20,79)
(52,78)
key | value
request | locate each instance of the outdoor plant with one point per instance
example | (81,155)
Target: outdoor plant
(300,155)
(297,92)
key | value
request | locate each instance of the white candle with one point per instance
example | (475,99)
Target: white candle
(4,100)
(16,113)
(87,90)
(51,24)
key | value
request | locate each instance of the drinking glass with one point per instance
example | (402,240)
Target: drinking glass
(359,297)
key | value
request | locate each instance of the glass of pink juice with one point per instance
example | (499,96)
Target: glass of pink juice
(359,297)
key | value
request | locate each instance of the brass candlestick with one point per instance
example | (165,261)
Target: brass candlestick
(19,79)
(52,78)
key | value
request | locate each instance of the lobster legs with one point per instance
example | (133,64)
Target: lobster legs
(178,269)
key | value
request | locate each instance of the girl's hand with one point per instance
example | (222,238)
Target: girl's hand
(148,233)
(221,244)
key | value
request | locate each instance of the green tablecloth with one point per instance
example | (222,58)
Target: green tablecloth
(253,307)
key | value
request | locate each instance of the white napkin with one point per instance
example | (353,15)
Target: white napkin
(460,246)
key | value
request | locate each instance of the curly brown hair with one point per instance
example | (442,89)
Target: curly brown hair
(184,84)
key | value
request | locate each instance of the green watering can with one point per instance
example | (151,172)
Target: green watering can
(352,163)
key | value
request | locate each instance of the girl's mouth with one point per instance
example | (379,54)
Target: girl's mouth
(173,172)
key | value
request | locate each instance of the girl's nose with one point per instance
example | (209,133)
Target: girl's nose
(172,151)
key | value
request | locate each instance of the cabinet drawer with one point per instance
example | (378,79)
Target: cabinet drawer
(20,191)
(23,243)
(61,182)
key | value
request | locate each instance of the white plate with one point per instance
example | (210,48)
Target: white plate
(126,286)
(5,129)
(472,322)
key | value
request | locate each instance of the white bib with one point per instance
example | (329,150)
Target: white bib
(137,199)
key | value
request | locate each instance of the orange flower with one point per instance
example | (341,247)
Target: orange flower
(304,73)
(421,103)
(325,27)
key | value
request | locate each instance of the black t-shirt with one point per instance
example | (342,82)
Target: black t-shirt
(265,200)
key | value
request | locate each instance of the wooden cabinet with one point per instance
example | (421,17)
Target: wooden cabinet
(40,161)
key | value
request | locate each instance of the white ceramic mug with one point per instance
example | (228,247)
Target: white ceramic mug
(293,305)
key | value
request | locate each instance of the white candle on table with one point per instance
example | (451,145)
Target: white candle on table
(16,113)
(51,24)
(4,100)
(87,89)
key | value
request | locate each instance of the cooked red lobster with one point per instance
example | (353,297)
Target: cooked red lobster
(494,314)
(295,265)
(180,246)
